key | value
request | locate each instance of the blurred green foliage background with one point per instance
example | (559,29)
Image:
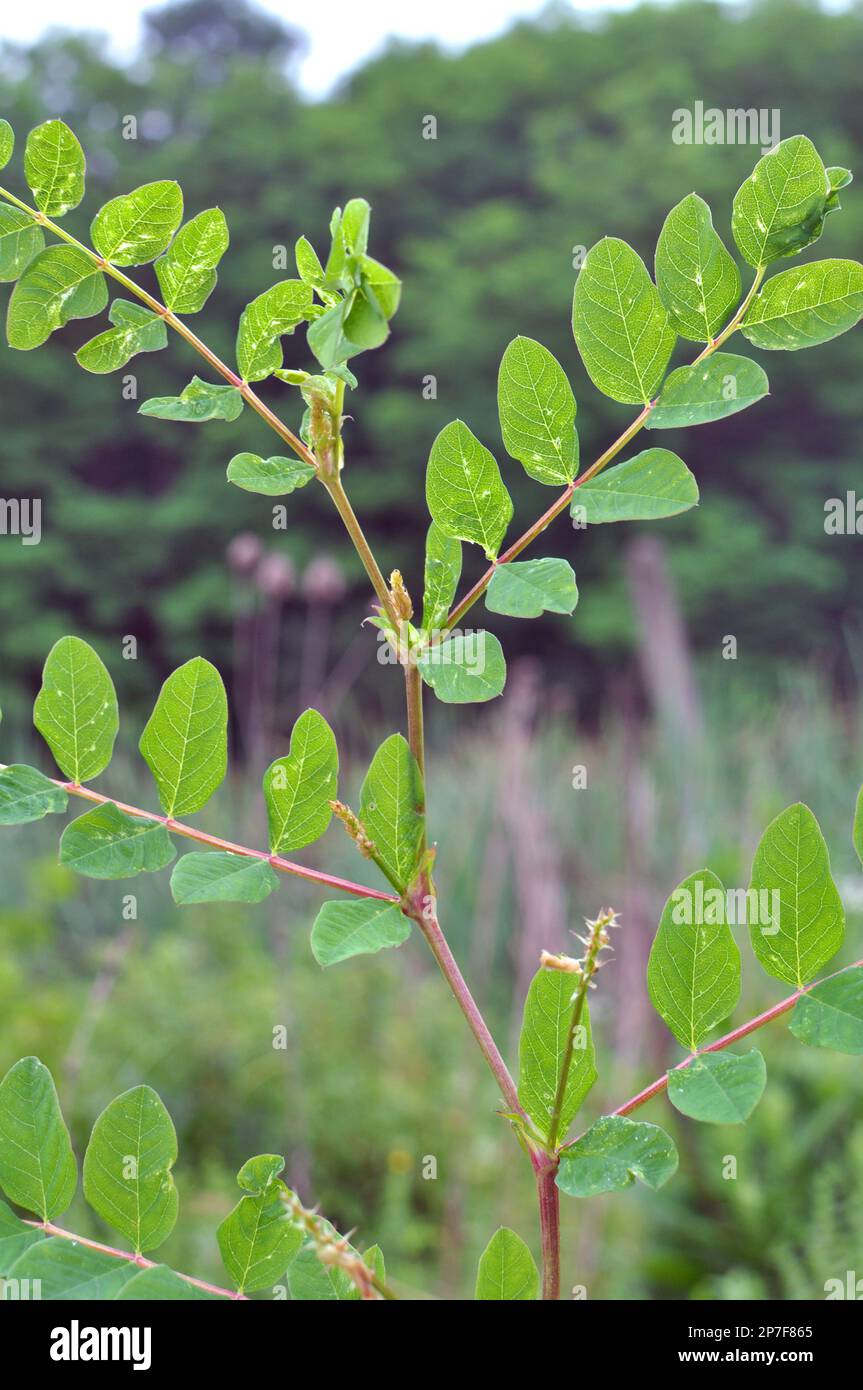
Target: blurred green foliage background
(547,138)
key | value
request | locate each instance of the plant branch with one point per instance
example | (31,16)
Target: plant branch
(141,1260)
(549,1226)
(191,832)
(250,396)
(611,452)
(775,1011)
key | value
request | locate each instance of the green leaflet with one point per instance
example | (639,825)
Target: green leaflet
(275,312)
(392,805)
(27,795)
(298,789)
(58,285)
(54,167)
(344,929)
(7,143)
(693,973)
(311,1281)
(697,280)
(780,208)
(467,668)
(258,1239)
(621,326)
(309,267)
(857,828)
(719,1088)
(806,306)
(69,1271)
(544,1030)
(37,1166)
(791,874)
(198,401)
(371,292)
(163,1285)
(442,573)
(187,272)
(185,741)
(136,330)
(137,227)
(127,1168)
(107,843)
(506,1271)
(274,477)
(654,484)
(537,412)
(527,588)
(15,1238)
(221,878)
(612,1154)
(464,490)
(707,391)
(76,710)
(20,241)
(830,1014)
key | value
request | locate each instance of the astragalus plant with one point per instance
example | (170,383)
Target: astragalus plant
(626,326)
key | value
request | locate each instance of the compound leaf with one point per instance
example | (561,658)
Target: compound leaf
(537,412)
(693,973)
(718,1088)
(127,1168)
(791,875)
(37,1166)
(527,588)
(76,710)
(54,167)
(137,227)
(654,484)
(612,1154)
(464,490)
(298,788)
(344,929)
(185,741)
(708,391)
(698,281)
(621,326)
(806,306)
(187,272)
(108,843)
(507,1271)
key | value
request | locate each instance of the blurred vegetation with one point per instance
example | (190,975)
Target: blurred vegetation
(378,1073)
(548,137)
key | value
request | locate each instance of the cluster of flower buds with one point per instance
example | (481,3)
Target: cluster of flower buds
(331,1248)
(355,828)
(597,940)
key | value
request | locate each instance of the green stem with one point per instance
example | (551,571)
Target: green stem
(337,492)
(611,452)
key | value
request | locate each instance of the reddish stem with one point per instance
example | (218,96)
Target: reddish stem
(50,1229)
(549,1225)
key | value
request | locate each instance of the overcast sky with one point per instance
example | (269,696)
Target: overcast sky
(339,36)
